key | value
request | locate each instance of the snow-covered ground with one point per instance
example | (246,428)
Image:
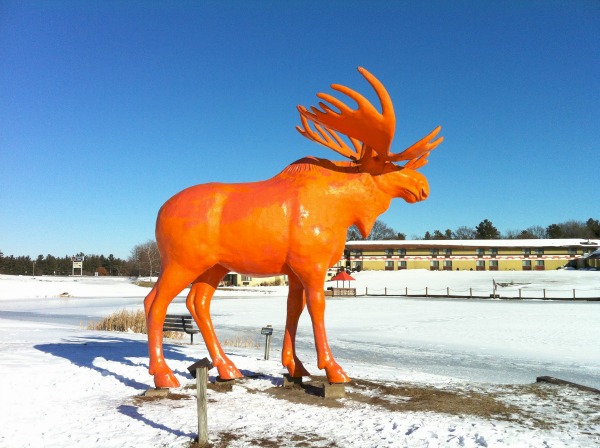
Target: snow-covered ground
(426,371)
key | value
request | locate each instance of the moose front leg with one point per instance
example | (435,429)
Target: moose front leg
(295,305)
(315,300)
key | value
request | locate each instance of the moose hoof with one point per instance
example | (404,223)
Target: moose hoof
(166,380)
(337,375)
(229,372)
(296,369)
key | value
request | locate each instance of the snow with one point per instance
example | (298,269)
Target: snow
(555,242)
(422,368)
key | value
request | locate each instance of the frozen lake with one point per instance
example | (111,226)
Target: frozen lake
(478,340)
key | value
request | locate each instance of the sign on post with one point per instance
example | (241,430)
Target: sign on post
(77,264)
(267,331)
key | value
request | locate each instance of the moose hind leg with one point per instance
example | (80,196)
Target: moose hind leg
(198,303)
(295,305)
(169,284)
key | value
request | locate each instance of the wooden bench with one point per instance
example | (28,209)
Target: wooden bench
(181,322)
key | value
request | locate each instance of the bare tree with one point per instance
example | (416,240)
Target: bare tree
(380,231)
(146,258)
(464,233)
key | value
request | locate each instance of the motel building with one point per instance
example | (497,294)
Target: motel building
(470,255)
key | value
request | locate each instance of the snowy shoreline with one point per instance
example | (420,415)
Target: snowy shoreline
(85,385)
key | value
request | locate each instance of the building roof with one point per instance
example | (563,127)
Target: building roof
(566,242)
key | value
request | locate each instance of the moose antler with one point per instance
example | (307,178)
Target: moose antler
(365,124)
(330,139)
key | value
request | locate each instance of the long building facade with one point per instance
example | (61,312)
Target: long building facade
(475,255)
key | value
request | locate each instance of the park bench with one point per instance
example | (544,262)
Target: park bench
(181,322)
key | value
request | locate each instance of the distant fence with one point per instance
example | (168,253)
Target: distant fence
(472,293)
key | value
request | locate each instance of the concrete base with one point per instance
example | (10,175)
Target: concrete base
(156,392)
(291,382)
(222,385)
(334,390)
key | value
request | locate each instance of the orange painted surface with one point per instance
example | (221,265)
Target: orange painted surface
(294,223)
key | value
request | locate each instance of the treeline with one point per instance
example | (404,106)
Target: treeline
(144,260)
(486,230)
(51,265)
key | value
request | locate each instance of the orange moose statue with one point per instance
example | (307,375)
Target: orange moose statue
(294,224)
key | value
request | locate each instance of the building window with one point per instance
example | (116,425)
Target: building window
(539,251)
(402,252)
(480,252)
(447,265)
(572,251)
(493,265)
(493,252)
(526,252)
(356,252)
(539,265)
(526,266)
(357,265)
(447,252)
(434,265)
(480,265)
(389,265)
(402,264)
(435,252)
(389,253)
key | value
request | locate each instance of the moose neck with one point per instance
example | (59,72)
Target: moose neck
(368,200)
(355,194)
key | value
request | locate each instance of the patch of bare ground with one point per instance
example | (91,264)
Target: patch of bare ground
(535,406)
(548,406)
(298,440)
(538,406)
(139,399)
(403,397)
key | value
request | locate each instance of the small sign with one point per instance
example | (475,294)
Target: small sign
(204,362)
(267,331)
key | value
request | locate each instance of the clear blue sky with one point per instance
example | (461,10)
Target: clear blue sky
(108,108)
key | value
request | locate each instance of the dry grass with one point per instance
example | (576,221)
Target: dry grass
(125,320)
(241,342)
(145,284)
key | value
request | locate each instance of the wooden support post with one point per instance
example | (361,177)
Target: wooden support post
(201,380)
(519,293)
(426,291)
(366,291)
(447,292)
(385,291)
(544,293)
(573,293)
(470,293)
(406,291)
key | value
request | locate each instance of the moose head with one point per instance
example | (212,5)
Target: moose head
(294,224)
